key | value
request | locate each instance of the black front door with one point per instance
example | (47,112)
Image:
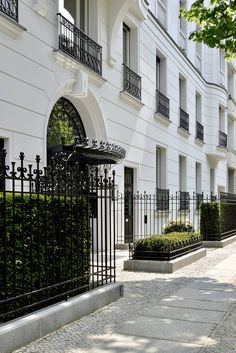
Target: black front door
(128,192)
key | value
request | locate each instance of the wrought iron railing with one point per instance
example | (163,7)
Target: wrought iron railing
(184,120)
(163,199)
(199,131)
(184,201)
(131,82)
(10,8)
(199,200)
(77,44)
(163,104)
(57,231)
(222,139)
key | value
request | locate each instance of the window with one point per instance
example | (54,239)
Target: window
(160,168)
(158,73)
(221,67)
(198,178)
(77,12)
(221,119)
(198,107)
(161,12)
(182,173)
(212,181)
(182,28)
(198,60)
(182,93)
(126,45)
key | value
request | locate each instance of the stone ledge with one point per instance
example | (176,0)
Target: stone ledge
(162,119)
(183,132)
(10,27)
(131,100)
(164,266)
(219,243)
(22,331)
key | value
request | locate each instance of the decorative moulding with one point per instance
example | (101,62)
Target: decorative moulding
(10,27)
(183,132)
(41,7)
(75,66)
(132,101)
(162,119)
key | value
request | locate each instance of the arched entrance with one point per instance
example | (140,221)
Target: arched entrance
(64,125)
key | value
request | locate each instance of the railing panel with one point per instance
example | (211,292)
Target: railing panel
(131,82)
(163,104)
(222,139)
(184,120)
(199,131)
(57,229)
(10,8)
(77,44)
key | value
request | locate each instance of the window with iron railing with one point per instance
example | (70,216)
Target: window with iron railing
(9,8)
(79,45)
(162,199)
(163,104)
(131,82)
(184,120)
(222,139)
(199,131)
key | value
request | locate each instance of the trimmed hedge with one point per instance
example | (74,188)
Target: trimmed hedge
(218,220)
(178,226)
(165,243)
(46,241)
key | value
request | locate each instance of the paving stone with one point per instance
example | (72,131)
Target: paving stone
(186,314)
(207,294)
(195,304)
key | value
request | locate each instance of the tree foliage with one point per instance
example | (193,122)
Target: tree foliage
(216,22)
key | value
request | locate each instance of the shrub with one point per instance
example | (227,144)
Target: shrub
(216,219)
(46,240)
(178,226)
(164,243)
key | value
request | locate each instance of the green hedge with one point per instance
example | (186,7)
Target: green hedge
(217,219)
(164,243)
(178,226)
(49,238)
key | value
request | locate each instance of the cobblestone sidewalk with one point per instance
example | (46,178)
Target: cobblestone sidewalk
(142,290)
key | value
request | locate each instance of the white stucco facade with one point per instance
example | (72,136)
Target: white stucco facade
(34,74)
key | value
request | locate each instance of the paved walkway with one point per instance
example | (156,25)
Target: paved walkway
(190,311)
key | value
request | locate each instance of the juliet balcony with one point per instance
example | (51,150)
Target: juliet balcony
(163,104)
(199,131)
(9,8)
(222,139)
(131,82)
(183,120)
(79,45)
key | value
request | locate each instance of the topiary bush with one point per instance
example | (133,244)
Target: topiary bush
(178,226)
(210,221)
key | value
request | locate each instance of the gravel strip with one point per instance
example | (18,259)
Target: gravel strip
(141,290)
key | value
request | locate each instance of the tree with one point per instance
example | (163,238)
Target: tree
(216,24)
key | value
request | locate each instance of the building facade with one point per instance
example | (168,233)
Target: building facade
(129,71)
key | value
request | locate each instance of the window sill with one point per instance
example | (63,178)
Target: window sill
(199,142)
(75,66)
(10,26)
(132,101)
(183,132)
(40,7)
(162,119)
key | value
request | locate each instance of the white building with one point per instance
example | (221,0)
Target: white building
(172,106)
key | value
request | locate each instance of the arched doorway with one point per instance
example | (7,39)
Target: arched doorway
(64,125)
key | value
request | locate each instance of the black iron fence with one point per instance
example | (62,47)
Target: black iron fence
(163,104)
(222,139)
(199,131)
(57,231)
(10,8)
(131,82)
(150,213)
(184,119)
(77,44)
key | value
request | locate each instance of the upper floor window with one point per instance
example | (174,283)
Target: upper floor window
(126,45)
(161,12)
(221,67)
(182,28)
(76,12)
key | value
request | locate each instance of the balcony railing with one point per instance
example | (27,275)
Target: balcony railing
(131,82)
(9,8)
(78,45)
(184,201)
(199,131)
(222,139)
(163,104)
(184,120)
(162,199)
